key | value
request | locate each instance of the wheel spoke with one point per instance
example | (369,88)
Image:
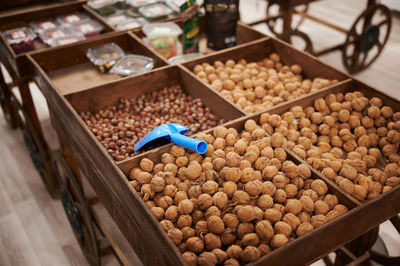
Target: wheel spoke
(383,22)
(379,45)
(362,64)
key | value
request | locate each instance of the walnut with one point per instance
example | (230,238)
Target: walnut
(319,186)
(318,220)
(293,206)
(359,192)
(190,258)
(341,209)
(283,228)
(304,228)
(321,207)
(346,185)
(279,240)
(348,172)
(272,215)
(331,200)
(307,203)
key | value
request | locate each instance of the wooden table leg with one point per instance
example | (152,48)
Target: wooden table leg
(9,110)
(34,139)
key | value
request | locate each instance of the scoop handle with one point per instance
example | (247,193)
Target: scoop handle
(196,145)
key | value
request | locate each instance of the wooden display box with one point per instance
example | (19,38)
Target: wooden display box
(18,63)
(129,211)
(344,87)
(260,49)
(107,95)
(244,34)
(71,71)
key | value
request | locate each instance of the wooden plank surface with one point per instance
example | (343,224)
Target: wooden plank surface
(15,246)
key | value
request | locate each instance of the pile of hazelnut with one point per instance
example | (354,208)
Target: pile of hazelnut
(119,127)
(256,86)
(239,201)
(351,139)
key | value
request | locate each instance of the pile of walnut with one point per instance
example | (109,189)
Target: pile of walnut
(238,202)
(256,86)
(353,140)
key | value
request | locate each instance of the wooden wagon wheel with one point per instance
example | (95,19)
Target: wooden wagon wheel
(366,38)
(78,210)
(7,103)
(274,19)
(39,155)
(308,47)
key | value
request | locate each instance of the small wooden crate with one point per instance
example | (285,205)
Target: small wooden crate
(260,49)
(70,70)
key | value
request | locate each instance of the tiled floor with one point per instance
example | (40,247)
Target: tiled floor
(33,227)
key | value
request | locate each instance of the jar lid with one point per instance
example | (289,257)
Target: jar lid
(105,53)
(133,64)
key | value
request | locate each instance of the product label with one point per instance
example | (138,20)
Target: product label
(57,34)
(86,28)
(47,25)
(72,18)
(18,34)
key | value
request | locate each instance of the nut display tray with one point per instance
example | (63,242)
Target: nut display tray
(18,63)
(70,70)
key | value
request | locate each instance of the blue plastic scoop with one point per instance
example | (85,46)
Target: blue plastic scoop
(173,132)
